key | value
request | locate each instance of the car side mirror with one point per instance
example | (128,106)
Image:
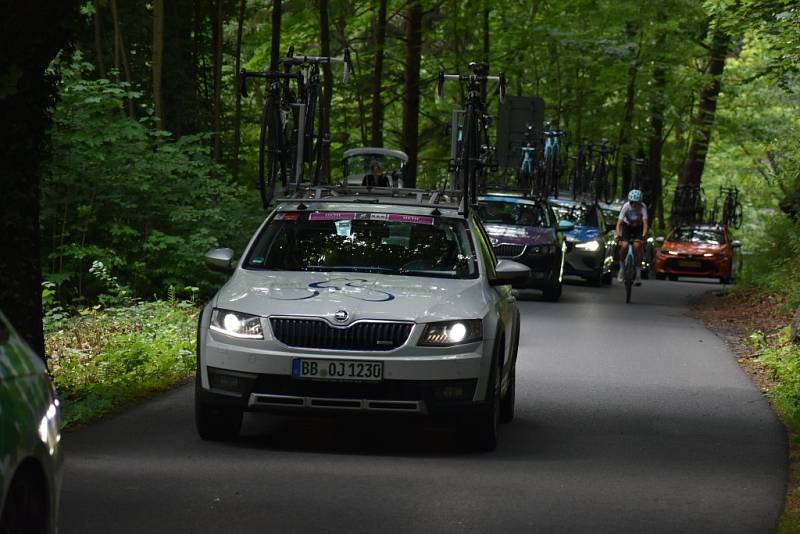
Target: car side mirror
(508,271)
(736,243)
(566,226)
(220,260)
(660,240)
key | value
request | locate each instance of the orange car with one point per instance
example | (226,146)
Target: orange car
(702,250)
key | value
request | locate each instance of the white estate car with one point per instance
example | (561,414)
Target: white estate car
(362,303)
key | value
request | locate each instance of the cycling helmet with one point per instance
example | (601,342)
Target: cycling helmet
(635,195)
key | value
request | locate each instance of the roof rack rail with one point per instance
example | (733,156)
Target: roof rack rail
(379,195)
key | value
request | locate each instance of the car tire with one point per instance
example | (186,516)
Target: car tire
(508,404)
(645,274)
(216,423)
(552,292)
(673,278)
(660,276)
(481,430)
(26,509)
(596,279)
(725,280)
(608,278)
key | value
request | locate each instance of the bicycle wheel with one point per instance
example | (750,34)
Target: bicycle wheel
(630,274)
(738,215)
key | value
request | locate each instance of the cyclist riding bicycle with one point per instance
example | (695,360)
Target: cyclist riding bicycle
(632,225)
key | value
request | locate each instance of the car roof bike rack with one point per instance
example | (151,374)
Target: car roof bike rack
(307,193)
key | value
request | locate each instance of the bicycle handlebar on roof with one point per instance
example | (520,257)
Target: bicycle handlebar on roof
(345,60)
(478,76)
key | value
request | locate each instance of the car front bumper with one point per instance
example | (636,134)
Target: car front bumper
(416,380)
(694,267)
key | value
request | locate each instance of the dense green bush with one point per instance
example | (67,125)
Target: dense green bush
(121,191)
(102,359)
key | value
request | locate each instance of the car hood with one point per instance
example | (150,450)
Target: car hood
(520,235)
(683,247)
(583,233)
(361,295)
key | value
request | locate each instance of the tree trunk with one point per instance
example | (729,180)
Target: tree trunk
(27,52)
(656,142)
(216,38)
(411,96)
(98,40)
(327,91)
(182,110)
(377,76)
(158,59)
(237,114)
(626,127)
(120,56)
(275,50)
(692,172)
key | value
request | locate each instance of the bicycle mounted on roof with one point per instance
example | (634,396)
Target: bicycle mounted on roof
(287,140)
(473,153)
(727,209)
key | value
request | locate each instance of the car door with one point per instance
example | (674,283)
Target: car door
(504,300)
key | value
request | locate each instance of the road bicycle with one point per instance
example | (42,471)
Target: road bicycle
(732,211)
(629,271)
(473,155)
(278,135)
(599,155)
(581,171)
(552,160)
(315,110)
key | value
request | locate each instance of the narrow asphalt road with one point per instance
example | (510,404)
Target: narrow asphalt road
(630,419)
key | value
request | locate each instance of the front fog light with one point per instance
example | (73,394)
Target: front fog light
(236,324)
(451,333)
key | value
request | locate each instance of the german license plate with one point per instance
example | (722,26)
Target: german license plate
(357,371)
(691,264)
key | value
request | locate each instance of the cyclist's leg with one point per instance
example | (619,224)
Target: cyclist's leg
(637,253)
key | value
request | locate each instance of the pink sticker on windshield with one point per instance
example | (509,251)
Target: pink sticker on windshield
(332,216)
(413,219)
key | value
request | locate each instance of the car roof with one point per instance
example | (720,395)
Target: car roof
(700,226)
(510,198)
(567,203)
(376,151)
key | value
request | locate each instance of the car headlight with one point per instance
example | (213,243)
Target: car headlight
(672,253)
(450,333)
(236,324)
(591,246)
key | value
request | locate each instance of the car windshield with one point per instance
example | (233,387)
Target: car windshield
(579,214)
(388,243)
(512,213)
(698,235)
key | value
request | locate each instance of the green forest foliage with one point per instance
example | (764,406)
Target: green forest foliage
(148,202)
(120,191)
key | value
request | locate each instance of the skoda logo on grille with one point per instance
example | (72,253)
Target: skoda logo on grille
(341,316)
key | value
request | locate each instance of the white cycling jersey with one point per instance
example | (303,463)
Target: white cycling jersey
(633,215)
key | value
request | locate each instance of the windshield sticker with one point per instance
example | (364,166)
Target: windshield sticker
(348,287)
(351,216)
(344,228)
(332,216)
(413,219)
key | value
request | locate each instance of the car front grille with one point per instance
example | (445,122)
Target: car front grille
(318,334)
(508,251)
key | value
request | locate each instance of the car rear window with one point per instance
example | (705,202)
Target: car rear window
(513,213)
(388,243)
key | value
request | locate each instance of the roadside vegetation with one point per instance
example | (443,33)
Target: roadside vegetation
(105,356)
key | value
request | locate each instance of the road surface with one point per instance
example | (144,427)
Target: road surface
(630,418)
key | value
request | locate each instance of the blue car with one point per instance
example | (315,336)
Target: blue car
(590,245)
